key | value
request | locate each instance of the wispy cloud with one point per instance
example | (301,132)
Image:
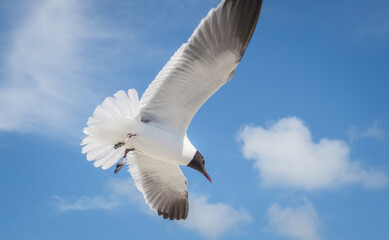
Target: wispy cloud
(45,84)
(373,131)
(301,222)
(84,203)
(59,63)
(213,220)
(286,155)
(117,192)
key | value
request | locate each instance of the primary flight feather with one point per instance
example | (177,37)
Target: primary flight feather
(150,134)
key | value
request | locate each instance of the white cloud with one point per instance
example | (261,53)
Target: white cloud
(45,85)
(373,131)
(117,193)
(210,219)
(213,220)
(299,223)
(84,203)
(286,155)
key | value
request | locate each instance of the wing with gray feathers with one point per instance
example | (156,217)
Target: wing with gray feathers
(200,66)
(163,185)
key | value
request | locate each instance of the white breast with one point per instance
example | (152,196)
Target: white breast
(162,145)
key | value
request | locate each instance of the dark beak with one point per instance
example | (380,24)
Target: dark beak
(207,176)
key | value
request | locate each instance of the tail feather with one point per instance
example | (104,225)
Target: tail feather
(98,152)
(110,123)
(114,159)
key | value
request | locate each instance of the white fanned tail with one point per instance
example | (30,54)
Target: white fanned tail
(110,124)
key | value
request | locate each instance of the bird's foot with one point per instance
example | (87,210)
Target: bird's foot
(120,165)
(120,144)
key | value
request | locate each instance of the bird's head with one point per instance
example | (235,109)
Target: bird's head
(198,164)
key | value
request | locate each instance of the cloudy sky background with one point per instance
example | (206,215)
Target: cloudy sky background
(296,144)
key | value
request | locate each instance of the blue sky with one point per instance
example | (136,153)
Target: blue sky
(296,144)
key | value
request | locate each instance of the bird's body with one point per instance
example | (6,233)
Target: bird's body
(162,145)
(150,134)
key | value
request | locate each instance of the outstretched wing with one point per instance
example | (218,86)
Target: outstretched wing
(200,66)
(163,185)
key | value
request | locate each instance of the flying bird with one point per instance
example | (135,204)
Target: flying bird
(150,135)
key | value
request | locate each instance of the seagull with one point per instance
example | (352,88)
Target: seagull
(150,135)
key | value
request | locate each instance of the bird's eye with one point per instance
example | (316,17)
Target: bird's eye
(203,161)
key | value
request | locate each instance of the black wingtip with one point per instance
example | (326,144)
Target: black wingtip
(254,23)
(178,210)
(257,5)
(244,14)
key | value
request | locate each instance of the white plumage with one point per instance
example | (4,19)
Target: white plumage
(161,118)
(111,121)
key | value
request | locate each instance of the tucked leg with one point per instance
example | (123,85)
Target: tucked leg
(120,165)
(120,144)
